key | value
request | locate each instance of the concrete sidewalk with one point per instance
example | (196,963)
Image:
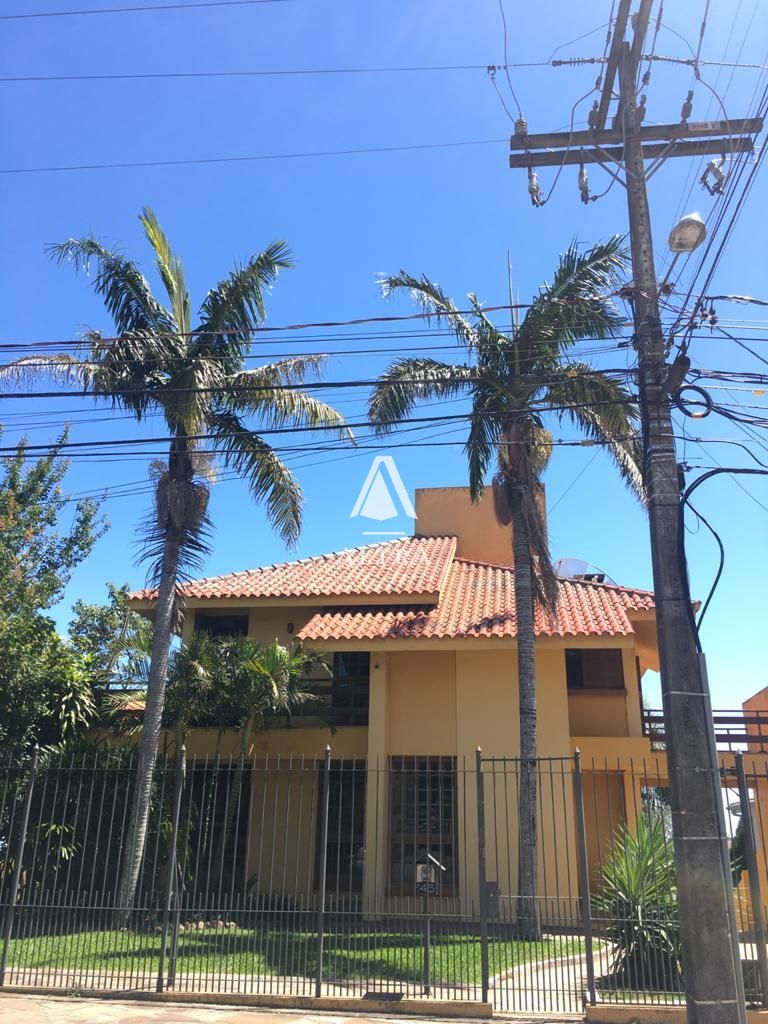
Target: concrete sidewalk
(38,1009)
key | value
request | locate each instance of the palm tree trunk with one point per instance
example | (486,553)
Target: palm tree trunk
(150,735)
(528,918)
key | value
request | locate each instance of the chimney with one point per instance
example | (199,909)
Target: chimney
(449,512)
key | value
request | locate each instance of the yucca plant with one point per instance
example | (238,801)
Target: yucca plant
(638,897)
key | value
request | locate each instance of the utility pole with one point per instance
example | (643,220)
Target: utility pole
(711,958)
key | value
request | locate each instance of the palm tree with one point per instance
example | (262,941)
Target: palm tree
(194,377)
(510,380)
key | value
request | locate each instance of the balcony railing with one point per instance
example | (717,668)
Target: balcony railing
(346,700)
(733,729)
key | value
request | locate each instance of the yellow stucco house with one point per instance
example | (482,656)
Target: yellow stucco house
(420,635)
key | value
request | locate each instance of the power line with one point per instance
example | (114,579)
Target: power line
(506,58)
(305,428)
(128,10)
(276,73)
(265,329)
(299,72)
(200,161)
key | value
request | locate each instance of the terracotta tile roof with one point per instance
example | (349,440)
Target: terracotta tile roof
(479,601)
(411,566)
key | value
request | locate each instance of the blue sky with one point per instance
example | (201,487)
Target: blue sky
(452,213)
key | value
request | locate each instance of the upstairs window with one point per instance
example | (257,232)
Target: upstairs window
(221,625)
(345,688)
(594,669)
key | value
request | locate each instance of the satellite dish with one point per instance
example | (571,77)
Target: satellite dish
(576,568)
(569,567)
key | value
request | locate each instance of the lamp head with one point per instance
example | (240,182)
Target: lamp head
(688,233)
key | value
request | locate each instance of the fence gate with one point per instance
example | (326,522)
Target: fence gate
(537,938)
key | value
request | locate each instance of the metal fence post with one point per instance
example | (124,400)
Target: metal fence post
(483,894)
(181,763)
(426,940)
(586,899)
(324,804)
(750,855)
(13,895)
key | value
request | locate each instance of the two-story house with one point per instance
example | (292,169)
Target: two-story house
(419,633)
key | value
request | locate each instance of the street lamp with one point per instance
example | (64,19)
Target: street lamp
(687,234)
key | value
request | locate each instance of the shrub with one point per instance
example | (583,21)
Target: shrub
(638,896)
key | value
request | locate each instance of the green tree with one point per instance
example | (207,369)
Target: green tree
(45,689)
(116,639)
(190,696)
(193,375)
(510,380)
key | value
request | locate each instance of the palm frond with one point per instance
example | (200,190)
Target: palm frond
(291,370)
(269,479)
(60,367)
(132,371)
(432,299)
(169,267)
(233,310)
(576,304)
(190,680)
(408,381)
(125,290)
(606,411)
(123,711)
(483,438)
(261,393)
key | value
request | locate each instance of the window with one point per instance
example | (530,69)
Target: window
(350,688)
(422,823)
(346,828)
(221,625)
(594,669)
(345,689)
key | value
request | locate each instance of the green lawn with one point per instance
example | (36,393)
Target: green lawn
(359,954)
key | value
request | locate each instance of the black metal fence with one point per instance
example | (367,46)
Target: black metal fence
(326,876)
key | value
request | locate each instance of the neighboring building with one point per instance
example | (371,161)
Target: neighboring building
(420,634)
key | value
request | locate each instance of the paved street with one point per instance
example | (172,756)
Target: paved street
(34,1009)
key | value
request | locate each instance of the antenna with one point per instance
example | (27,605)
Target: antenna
(513,308)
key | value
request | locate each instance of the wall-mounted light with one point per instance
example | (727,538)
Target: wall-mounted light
(289,628)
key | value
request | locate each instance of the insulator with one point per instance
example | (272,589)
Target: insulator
(687,110)
(583,183)
(717,172)
(534,189)
(715,169)
(521,126)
